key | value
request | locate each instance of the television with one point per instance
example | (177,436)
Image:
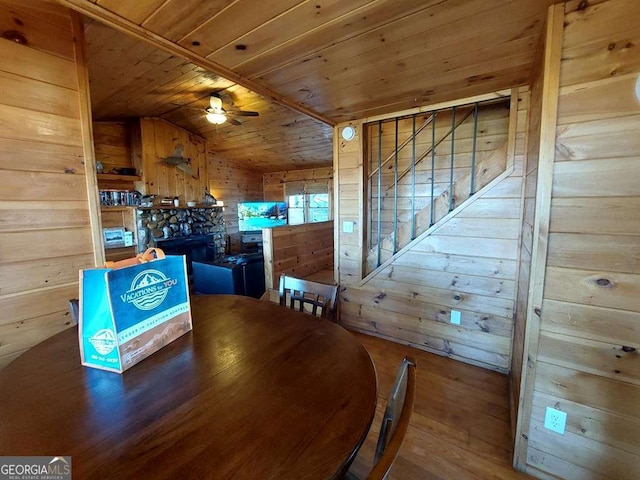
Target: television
(254,216)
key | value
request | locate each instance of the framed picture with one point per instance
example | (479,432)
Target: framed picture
(113,236)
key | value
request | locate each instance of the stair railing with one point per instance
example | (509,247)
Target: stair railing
(427,121)
(456,121)
(392,156)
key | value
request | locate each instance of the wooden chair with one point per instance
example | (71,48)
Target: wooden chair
(74,306)
(305,292)
(395,421)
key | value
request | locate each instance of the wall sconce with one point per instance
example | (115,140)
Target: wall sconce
(349,133)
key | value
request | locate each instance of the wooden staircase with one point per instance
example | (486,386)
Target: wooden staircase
(449,199)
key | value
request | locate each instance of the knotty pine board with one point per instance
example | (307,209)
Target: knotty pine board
(42,161)
(297,250)
(590,309)
(233,184)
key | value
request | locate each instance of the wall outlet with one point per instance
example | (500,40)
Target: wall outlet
(455,317)
(555,420)
(347,227)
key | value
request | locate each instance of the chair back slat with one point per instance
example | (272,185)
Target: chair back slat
(318,297)
(395,420)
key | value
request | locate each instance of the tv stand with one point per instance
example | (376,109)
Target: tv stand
(251,242)
(235,274)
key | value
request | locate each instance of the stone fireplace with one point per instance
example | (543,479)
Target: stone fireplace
(156,225)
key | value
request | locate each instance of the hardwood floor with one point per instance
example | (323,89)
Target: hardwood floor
(460,424)
(323,276)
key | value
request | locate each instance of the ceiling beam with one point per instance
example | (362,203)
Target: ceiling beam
(126,26)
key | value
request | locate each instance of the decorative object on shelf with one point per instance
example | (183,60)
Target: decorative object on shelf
(147,200)
(119,198)
(208,198)
(178,160)
(166,201)
(176,201)
(130,171)
(191,204)
(128,239)
(99,167)
(113,236)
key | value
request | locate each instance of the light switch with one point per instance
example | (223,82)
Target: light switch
(455,317)
(347,227)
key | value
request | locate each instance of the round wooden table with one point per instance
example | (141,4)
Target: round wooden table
(254,391)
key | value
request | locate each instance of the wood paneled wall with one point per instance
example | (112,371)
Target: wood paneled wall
(297,250)
(348,180)
(156,139)
(45,231)
(232,184)
(112,145)
(469,264)
(588,363)
(274,181)
(526,236)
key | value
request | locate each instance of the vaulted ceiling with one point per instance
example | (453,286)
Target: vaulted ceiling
(292,60)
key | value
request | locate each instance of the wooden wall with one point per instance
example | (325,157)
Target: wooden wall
(348,201)
(530,175)
(274,181)
(112,145)
(232,184)
(588,363)
(155,140)
(468,263)
(297,250)
(45,231)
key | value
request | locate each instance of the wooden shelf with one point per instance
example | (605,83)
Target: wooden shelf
(111,177)
(120,246)
(114,254)
(181,207)
(118,208)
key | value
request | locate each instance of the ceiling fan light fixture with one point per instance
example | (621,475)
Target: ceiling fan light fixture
(215,101)
(216,118)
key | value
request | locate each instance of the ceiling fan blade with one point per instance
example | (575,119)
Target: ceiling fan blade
(243,113)
(233,121)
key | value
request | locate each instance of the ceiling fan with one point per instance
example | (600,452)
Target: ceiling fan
(217,114)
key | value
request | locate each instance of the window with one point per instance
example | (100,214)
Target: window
(318,207)
(296,209)
(308,202)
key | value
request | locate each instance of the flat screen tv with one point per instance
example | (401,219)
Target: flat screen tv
(254,216)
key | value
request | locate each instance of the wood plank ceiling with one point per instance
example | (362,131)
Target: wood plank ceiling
(341,59)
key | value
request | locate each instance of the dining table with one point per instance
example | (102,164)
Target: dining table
(253,391)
